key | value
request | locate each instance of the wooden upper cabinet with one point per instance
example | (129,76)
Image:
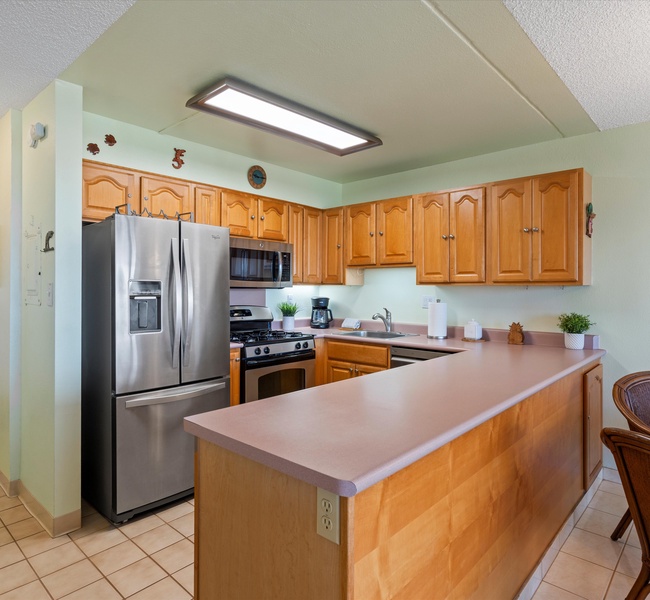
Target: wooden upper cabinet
(297,238)
(380,233)
(207,205)
(104,188)
(332,246)
(313,231)
(450,235)
(163,195)
(536,230)
(249,216)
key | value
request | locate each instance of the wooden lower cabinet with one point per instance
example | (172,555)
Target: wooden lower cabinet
(593,407)
(470,520)
(235,371)
(348,359)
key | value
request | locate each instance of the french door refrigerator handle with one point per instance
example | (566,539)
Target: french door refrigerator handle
(173,395)
(188,282)
(175,305)
(279,254)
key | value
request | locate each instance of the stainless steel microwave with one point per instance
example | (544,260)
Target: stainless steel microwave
(260,264)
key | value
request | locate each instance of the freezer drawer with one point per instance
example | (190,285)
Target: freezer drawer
(154,456)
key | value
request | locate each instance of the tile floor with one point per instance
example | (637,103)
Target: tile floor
(152,557)
(147,558)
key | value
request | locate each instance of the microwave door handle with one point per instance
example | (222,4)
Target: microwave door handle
(188,281)
(175,304)
(279,255)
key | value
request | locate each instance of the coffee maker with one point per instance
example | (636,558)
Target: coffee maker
(320,314)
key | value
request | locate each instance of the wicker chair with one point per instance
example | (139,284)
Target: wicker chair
(632,397)
(631,452)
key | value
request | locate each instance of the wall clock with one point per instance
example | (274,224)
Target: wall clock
(257,177)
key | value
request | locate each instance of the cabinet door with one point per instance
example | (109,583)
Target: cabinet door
(339,371)
(467,236)
(297,238)
(170,197)
(593,423)
(361,248)
(510,231)
(395,231)
(432,238)
(104,188)
(238,212)
(312,245)
(555,227)
(273,218)
(360,370)
(235,371)
(332,265)
(207,205)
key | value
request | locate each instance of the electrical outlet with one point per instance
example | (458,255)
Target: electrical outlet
(327,515)
(426,300)
(289,298)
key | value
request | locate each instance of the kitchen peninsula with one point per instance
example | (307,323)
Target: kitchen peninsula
(453,477)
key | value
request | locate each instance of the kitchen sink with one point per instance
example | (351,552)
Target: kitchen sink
(377,334)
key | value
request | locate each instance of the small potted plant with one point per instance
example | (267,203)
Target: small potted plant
(574,326)
(288,310)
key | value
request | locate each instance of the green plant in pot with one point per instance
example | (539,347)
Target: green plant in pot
(288,310)
(574,326)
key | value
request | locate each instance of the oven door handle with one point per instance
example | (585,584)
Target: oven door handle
(284,358)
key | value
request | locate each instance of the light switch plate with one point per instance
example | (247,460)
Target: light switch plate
(426,300)
(328,522)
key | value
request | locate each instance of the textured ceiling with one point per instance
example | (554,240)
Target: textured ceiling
(436,80)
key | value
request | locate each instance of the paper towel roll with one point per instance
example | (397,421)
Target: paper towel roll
(437,324)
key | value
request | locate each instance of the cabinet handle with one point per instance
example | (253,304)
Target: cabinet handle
(338,245)
(146,197)
(381,233)
(535,229)
(356,370)
(444,237)
(526,230)
(252,216)
(128,195)
(598,378)
(372,234)
(262,218)
(237,359)
(451,236)
(351,370)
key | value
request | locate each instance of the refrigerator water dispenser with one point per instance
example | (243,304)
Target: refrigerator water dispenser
(144,302)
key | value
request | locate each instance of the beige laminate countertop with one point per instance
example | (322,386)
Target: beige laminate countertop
(346,436)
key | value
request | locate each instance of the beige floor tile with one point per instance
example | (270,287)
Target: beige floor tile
(7,502)
(579,576)
(41,542)
(100,590)
(619,587)
(166,588)
(611,487)
(23,529)
(15,575)
(10,554)
(594,548)
(90,524)
(136,577)
(157,539)
(70,579)
(191,538)
(609,503)
(15,514)
(5,536)
(32,591)
(546,591)
(55,559)
(598,522)
(184,525)
(191,501)
(117,557)
(175,557)
(186,578)
(630,563)
(140,525)
(175,512)
(100,540)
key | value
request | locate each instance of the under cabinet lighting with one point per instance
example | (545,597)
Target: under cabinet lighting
(246,104)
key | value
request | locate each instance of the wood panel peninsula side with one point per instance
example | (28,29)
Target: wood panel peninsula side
(453,477)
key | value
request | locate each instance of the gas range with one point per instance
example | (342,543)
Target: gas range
(251,326)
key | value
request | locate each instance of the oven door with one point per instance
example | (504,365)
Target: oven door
(263,378)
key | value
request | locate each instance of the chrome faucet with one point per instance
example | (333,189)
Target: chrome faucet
(388,323)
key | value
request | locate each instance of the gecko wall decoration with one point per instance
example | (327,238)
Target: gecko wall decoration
(178,158)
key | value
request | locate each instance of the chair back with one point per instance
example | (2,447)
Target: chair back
(631,452)
(631,395)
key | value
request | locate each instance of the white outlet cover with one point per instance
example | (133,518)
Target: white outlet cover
(328,522)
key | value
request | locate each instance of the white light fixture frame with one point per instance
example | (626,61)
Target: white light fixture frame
(244,103)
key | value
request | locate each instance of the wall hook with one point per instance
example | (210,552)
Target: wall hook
(48,236)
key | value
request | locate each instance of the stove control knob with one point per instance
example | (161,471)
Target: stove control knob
(297,345)
(258,351)
(305,345)
(266,350)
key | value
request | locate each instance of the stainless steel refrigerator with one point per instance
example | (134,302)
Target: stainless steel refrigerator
(155,349)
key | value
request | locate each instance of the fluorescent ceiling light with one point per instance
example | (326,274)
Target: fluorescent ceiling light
(244,103)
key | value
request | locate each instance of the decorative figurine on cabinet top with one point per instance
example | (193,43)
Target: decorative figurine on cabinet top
(516,334)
